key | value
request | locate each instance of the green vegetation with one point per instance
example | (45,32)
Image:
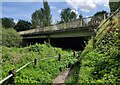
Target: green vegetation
(114,5)
(99,62)
(73,77)
(68,15)
(102,64)
(8,22)
(89,46)
(44,72)
(22,25)
(42,17)
(10,37)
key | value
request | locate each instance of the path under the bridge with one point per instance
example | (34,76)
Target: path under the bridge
(62,77)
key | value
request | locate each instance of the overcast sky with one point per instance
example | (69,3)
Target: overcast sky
(24,8)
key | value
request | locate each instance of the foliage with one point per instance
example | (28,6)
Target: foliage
(42,17)
(98,17)
(44,72)
(100,13)
(102,64)
(47,15)
(8,22)
(73,76)
(10,38)
(68,15)
(114,5)
(22,25)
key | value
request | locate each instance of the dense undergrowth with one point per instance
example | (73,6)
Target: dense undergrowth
(101,65)
(44,72)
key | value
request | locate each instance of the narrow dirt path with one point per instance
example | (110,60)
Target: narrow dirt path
(62,77)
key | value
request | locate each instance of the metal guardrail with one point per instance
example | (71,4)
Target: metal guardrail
(13,72)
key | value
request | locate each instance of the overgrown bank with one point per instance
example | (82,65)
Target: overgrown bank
(44,72)
(100,61)
(101,65)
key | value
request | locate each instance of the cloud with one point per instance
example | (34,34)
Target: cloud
(86,5)
(59,11)
(15,21)
(102,2)
(53,7)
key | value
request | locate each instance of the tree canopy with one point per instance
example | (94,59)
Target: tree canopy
(114,5)
(100,13)
(8,22)
(68,15)
(22,25)
(42,17)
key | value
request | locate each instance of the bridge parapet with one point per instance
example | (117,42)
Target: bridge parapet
(89,21)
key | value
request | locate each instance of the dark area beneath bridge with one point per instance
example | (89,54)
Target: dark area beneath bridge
(69,43)
(64,43)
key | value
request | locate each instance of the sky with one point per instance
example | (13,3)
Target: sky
(24,9)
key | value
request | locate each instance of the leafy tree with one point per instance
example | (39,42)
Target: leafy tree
(114,5)
(68,15)
(100,13)
(8,22)
(98,17)
(22,25)
(37,18)
(10,38)
(47,15)
(42,17)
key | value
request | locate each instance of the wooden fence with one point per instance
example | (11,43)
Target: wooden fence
(11,77)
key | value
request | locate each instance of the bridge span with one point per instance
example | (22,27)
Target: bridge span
(77,30)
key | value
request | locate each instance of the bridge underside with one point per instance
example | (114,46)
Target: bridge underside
(73,39)
(75,43)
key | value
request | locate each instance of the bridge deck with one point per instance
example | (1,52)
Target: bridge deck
(82,25)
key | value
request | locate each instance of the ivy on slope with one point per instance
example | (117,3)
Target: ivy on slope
(44,72)
(102,65)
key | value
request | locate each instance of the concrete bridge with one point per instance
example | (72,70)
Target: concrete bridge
(75,29)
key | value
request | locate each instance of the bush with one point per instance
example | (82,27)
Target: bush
(10,38)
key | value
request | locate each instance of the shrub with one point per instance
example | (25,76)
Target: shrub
(10,38)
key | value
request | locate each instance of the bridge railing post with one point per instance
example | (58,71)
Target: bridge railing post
(81,22)
(104,16)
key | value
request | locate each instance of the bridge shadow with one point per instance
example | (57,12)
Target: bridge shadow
(75,43)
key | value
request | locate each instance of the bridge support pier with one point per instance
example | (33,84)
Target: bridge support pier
(48,39)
